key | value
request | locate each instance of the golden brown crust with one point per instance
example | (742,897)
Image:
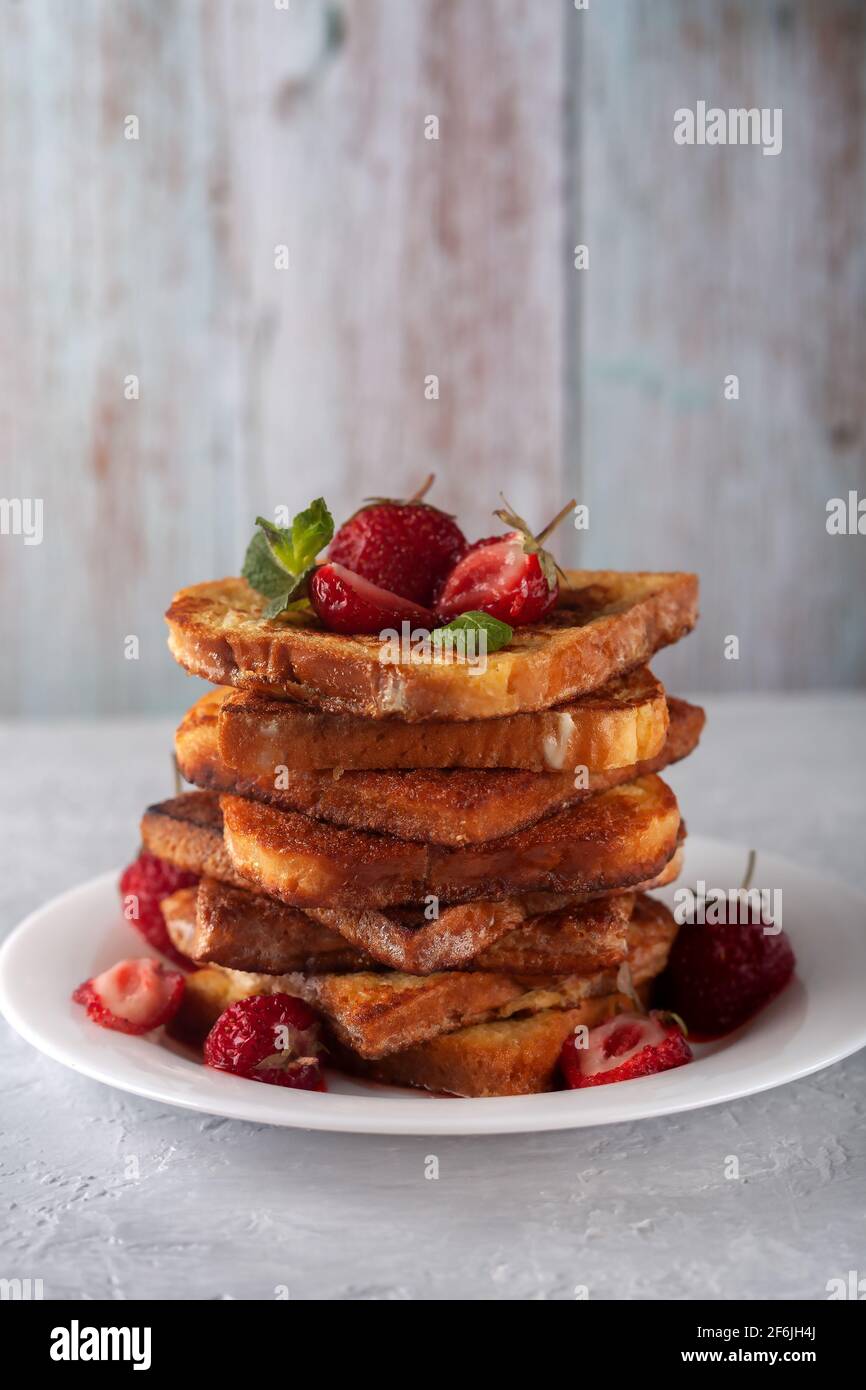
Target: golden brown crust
(606,623)
(397,937)
(387,1012)
(614,840)
(376,1014)
(246,931)
(448,807)
(512,1058)
(615,726)
(220,925)
(577,940)
(187,831)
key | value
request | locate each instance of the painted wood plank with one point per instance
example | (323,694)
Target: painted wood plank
(710,261)
(409,257)
(155,257)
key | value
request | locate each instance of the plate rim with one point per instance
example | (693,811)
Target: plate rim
(402,1113)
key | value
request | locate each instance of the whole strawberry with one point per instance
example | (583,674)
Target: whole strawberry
(718,976)
(268,1037)
(511,577)
(143,885)
(406,548)
(627,1046)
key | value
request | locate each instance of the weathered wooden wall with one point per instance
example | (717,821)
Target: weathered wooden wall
(717,260)
(410,257)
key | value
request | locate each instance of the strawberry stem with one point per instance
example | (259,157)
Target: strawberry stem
(552,525)
(750,871)
(424,489)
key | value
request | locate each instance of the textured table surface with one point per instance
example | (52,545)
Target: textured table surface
(222,1209)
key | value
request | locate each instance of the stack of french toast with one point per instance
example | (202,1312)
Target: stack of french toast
(450,862)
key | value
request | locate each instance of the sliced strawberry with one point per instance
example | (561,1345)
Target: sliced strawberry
(499,578)
(406,548)
(627,1046)
(345,602)
(719,975)
(272,1038)
(143,885)
(511,577)
(134,996)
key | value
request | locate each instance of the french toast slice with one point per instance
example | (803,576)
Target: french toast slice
(187,831)
(616,726)
(463,932)
(606,623)
(616,839)
(577,940)
(210,991)
(376,1014)
(214,923)
(515,1057)
(179,914)
(511,1057)
(447,807)
(220,925)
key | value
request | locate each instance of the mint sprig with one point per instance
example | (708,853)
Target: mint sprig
(280,559)
(454,635)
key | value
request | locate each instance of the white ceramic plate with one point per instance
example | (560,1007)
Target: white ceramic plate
(818,1020)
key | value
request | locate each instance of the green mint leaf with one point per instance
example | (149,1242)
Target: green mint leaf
(295,549)
(279,542)
(295,596)
(280,560)
(261,570)
(276,606)
(311,532)
(497,634)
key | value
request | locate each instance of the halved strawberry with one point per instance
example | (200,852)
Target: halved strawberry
(345,602)
(511,577)
(628,1045)
(406,548)
(268,1037)
(134,996)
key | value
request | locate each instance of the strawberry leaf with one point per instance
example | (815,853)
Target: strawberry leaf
(668,1016)
(532,544)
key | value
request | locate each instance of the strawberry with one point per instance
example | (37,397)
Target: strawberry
(345,602)
(143,885)
(720,975)
(627,1046)
(134,996)
(268,1037)
(405,547)
(511,577)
